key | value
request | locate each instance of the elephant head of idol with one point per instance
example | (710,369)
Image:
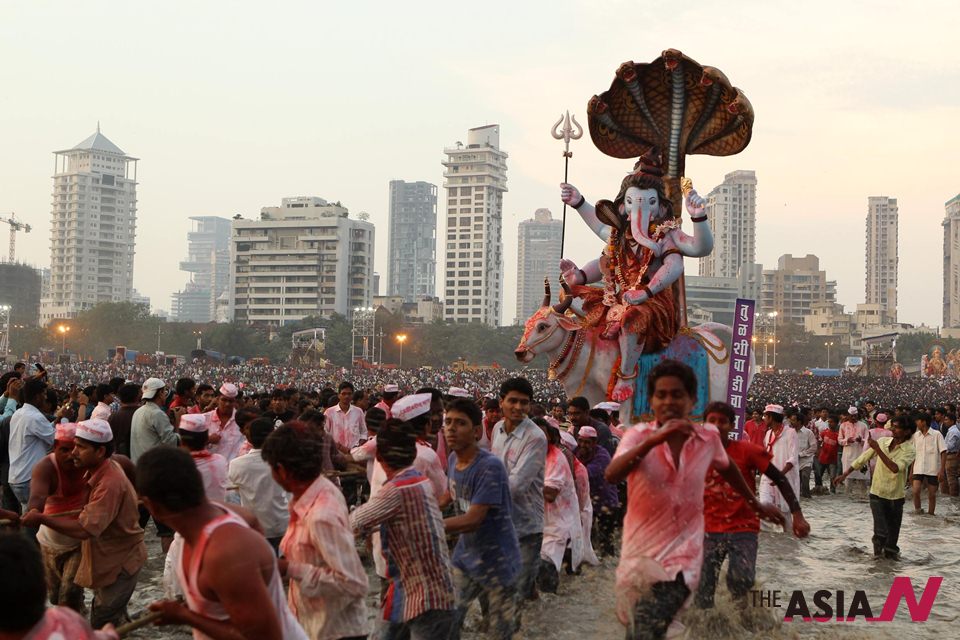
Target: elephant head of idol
(642,203)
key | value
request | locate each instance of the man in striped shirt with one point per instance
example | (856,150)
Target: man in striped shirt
(419,600)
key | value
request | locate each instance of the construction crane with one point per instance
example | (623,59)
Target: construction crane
(15,225)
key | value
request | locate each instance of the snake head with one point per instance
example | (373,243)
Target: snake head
(597,105)
(627,72)
(671,58)
(711,76)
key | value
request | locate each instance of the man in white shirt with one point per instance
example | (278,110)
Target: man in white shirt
(806,450)
(259,492)
(390,394)
(781,443)
(345,422)
(928,467)
(225,436)
(823,419)
(31,436)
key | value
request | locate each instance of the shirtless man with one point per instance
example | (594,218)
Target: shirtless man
(227,570)
(58,486)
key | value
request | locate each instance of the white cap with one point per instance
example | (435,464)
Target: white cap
(608,406)
(852,410)
(391,388)
(151,386)
(195,422)
(66,432)
(409,407)
(101,411)
(95,430)
(773,408)
(567,439)
(587,432)
(229,390)
(458,392)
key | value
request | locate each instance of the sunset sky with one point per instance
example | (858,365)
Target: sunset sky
(233,105)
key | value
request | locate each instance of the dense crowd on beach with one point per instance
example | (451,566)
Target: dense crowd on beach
(282,496)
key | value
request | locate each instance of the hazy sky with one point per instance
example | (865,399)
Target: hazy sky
(233,105)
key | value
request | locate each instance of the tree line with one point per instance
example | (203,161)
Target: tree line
(93,332)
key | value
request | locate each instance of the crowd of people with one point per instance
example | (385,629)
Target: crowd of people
(789,389)
(269,488)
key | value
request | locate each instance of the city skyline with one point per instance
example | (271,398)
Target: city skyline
(866,112)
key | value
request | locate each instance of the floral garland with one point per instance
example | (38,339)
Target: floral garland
(614,274)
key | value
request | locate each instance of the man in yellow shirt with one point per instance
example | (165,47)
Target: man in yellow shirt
(886,490)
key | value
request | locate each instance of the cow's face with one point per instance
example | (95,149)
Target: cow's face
(542,333)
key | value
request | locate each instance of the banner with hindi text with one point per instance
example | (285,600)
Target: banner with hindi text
(741,363)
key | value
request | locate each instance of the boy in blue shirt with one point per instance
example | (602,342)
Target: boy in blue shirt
(486,559)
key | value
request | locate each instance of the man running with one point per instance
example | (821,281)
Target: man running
(732,527)
(665,464)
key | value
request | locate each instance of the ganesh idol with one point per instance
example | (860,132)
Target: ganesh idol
(642,260)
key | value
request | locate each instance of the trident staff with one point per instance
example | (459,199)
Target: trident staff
(566,133)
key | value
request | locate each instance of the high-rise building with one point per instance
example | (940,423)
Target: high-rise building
(303,258)
(717,296)
(21,291)
(751,281)
(475,177)
(882,260)
(794,287)
(732,211)
(208,263)
(538,258)
(93,228)
(951,263)
(412,258)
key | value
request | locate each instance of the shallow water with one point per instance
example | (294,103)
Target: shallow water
(837,555)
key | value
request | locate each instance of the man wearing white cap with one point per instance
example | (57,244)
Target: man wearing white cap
(459,392)
(150,425)
(224,435)
(58,486)
(782,444)
(112,551)
(390,394)
(194,434)
(414,409)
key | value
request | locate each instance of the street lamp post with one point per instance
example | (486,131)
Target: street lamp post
(828,345)
(401,338)
(199,335)
(63,329)
(774,314)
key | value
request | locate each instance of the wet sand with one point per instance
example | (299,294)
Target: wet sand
(837,555)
